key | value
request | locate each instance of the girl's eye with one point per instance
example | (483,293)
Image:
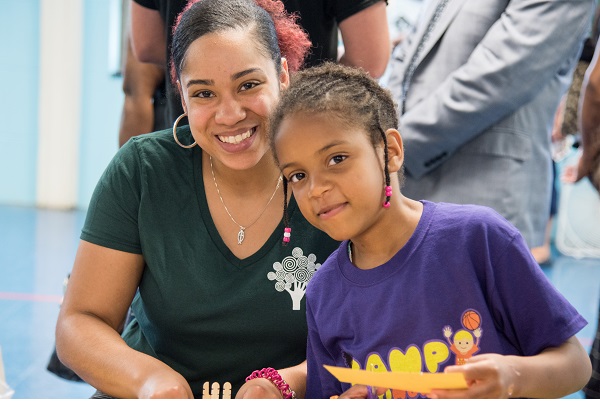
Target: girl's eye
(296,177)
(337,159)
(249,85)
(204,94)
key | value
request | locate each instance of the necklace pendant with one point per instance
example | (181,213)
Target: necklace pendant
(241,235)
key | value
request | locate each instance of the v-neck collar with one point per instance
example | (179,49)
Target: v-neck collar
(276,235)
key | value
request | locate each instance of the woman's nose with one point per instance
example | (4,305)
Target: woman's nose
(230,111)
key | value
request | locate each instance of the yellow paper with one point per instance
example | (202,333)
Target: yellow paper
(417,382)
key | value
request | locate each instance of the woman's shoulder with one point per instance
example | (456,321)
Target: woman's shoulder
(163,138)
(159,144)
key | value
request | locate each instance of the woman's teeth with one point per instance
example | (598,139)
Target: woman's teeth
(236,139)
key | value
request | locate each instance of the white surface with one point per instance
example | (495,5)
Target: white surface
(578,223)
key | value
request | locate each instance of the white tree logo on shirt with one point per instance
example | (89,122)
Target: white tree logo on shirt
(293,273)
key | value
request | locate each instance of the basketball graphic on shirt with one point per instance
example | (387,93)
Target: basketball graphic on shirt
(471,320)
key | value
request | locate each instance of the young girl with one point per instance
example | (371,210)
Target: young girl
(415,286)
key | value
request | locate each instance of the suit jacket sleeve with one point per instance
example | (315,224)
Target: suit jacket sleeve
(523,50)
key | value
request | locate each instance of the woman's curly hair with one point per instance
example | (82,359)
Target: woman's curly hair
(276,30)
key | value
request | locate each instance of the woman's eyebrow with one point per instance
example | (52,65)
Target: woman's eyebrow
(207,82)
(211,82)
(240,74)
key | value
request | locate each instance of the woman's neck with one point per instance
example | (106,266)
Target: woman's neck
(253,180)
(245,205)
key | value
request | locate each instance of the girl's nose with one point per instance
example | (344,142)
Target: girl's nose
(319,185)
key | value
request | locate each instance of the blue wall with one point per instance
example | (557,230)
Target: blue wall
(101,100)
(19,47)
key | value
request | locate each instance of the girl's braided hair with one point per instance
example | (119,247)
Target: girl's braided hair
(348,95)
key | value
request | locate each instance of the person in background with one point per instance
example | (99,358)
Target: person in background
(143,106)
(565,125)
(588,165)
(589,116)
(477,85)
(363,25)
(184,226)
(414,286)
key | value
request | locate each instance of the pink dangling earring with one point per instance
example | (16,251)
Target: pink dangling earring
(287,233)
(388,195)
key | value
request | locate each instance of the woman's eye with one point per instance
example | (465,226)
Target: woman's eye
(337,159)
(204,94)
(248,85)
(296,177)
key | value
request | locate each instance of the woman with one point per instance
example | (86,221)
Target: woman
(192,218)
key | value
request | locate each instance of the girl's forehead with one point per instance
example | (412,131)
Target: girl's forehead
(320,127)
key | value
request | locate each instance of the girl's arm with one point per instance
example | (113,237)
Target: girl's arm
(100,290)
(553,373)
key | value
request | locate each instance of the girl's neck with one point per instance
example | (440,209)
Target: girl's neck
(379,245)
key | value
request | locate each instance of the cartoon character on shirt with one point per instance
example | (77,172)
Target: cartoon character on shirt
(463,345)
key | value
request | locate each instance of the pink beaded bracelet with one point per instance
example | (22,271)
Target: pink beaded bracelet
(275,378)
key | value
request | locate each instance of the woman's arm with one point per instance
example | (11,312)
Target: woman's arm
(295,376)
(553,373)
(101,288)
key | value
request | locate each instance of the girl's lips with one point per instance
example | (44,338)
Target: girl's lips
(330,211)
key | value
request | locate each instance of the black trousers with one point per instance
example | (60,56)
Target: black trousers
(592,389)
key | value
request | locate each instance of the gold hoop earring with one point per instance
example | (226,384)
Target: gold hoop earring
(175,133)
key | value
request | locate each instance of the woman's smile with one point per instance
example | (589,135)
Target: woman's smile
(236,139)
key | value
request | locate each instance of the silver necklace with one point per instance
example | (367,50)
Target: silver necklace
(350,251)
(242,233)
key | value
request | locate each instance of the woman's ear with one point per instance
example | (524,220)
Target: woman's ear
(181,97)
(284,75)
(395,150)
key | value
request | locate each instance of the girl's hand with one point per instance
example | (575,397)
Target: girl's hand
(487,375)
(165,384)
(356,391)
(258,389)
(360,391)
